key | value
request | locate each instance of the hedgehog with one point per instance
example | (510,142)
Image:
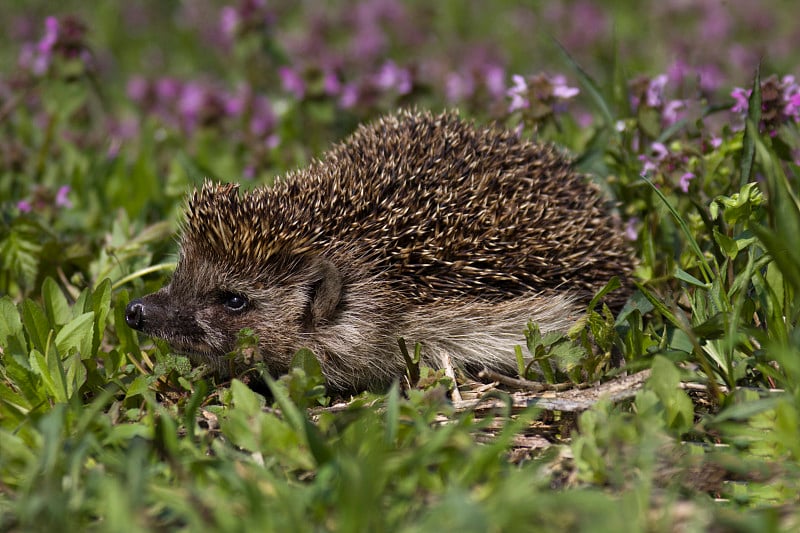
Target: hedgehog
(422,227)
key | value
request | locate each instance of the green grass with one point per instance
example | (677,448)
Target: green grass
(103,430)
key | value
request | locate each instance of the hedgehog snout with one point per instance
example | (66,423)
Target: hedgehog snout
(147,314)
(134,314)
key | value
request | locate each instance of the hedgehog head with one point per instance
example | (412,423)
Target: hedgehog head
(234,272)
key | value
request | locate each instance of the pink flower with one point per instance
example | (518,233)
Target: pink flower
(331,84)
(62,199)
(263,119)
(631,231)
(793,106)
(292,82)
(655,90)
(191,101)
(685,180)
(741,97)
(390,76)
(229,21)
(518,94)
(560,89)
(458,87)
(137,88)
(494,78)
(670,112)
(167,89)
(24,206)
(349,96)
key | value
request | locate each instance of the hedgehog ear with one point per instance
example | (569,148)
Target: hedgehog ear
(325,291)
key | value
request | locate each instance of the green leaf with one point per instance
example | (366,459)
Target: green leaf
(392,414)
(688,278)
(11,333)
(751,131)
(665,382)
(53,380)
(713,328)
(101,305)
(245,399)
(36,325)
(55,303)
(20,257)
(77,334)
(726,244)
(139,385)
(612,284)
(305,359)
(746,410)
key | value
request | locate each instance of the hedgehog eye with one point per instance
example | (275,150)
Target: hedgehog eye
(233,301)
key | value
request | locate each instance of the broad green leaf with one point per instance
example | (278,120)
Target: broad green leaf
(20,257)
(77,334)
(665,382)
(138,386)
(245,399)
(55,303)
(76,373)
(745,410)
(36,325)
(11,335)
(51,377)
(726,244)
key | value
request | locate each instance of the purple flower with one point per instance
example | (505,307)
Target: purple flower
(167,89)
(137,88)
(655,91)
(233,104)
(262,120)
(45,45)
(631,231)
(229,21)
(349,96)
(584,119)
(678,71)
(650,164)
(791,97)
(560,89)
(710,78)
(660,150)
(191,101)
(24,206)
(458,87)
(292,82)
(62,199)
(518,94)
(670,112)
(37,57)
(330,83)
(390,76)
(793,106)
(494,77)
(685,180)
(741,97)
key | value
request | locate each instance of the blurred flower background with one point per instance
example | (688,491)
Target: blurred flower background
(107,106)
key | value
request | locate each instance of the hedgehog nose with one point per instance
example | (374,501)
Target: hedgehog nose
(134,314)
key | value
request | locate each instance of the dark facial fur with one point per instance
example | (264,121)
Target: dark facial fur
(419,226)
